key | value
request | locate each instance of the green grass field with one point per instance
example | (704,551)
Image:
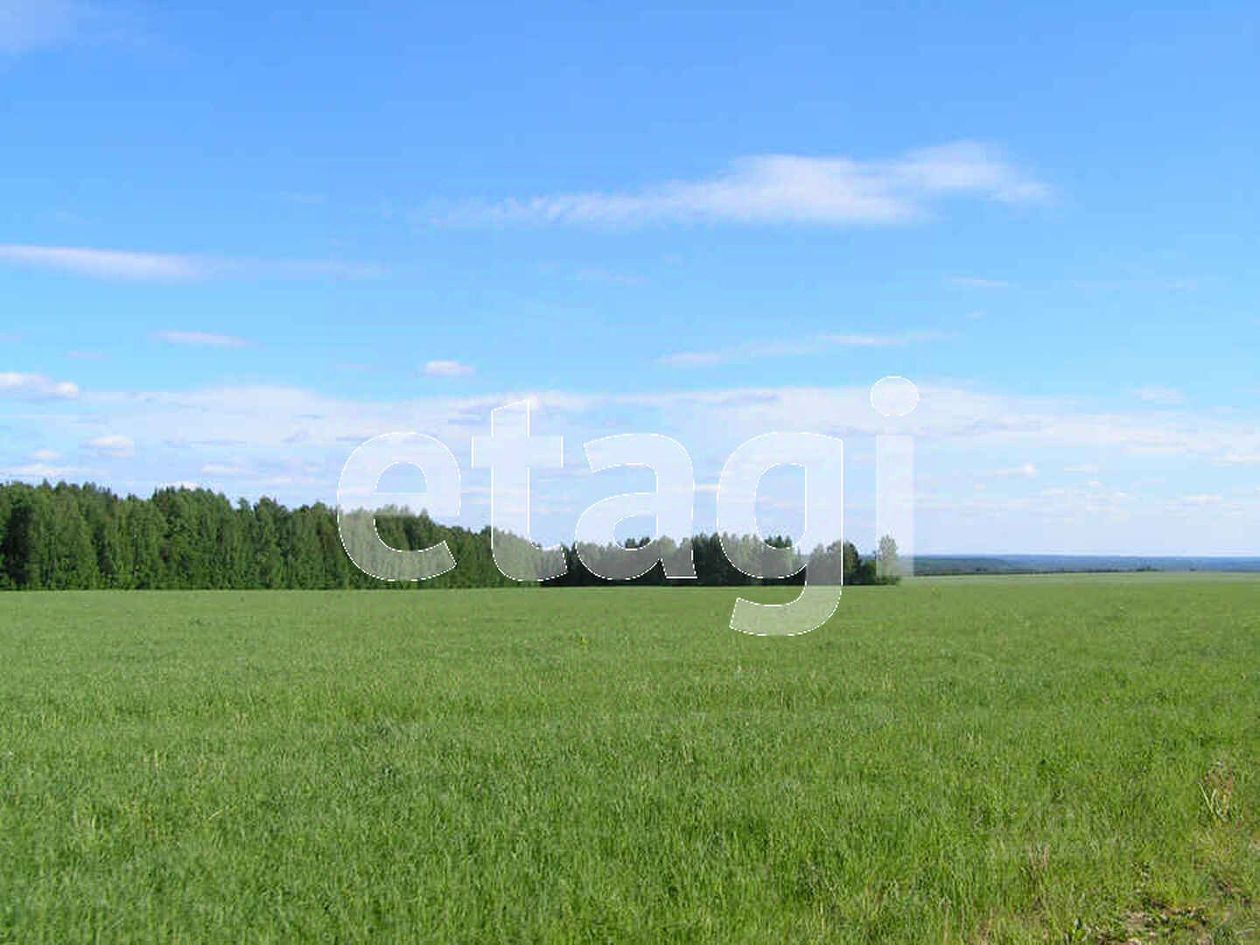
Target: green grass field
(1013,760)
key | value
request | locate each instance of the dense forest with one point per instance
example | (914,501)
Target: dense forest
(70,536)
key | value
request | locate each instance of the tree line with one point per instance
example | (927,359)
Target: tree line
(64,536)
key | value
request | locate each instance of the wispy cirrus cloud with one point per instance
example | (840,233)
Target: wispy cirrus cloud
(761,350)
(36,472)
(789,189)
(112,444)
(36,387)
(104,263)
(224,470)
(200,339)
(447,369)
(132,266)
(1022,471)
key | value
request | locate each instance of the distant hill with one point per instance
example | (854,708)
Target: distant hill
(1057,564)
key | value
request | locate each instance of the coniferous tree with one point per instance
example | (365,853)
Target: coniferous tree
(71,557)
(69,536)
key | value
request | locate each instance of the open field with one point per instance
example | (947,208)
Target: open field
(1063,760)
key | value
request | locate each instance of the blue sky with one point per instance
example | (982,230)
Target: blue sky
(236,241)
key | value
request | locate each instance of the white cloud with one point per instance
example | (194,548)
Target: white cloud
(39,472)
(45,456)
(975,282)
(881,341)
(28,25)
(1201,499)
(224,470)
(1160,396)
(113,444)
(760,350)
(36,387)
(200,339)
(129,266)
(231,417)
(1024,471)
(265,439)
(447,369)
(1240,458)
(105,263)
(784,188)
(684,359)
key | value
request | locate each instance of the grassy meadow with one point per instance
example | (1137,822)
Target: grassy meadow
(991,760)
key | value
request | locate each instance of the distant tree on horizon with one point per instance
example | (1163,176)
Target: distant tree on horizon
(887,562)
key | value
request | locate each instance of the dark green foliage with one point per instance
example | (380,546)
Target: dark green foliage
(715,569)
(80,537)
